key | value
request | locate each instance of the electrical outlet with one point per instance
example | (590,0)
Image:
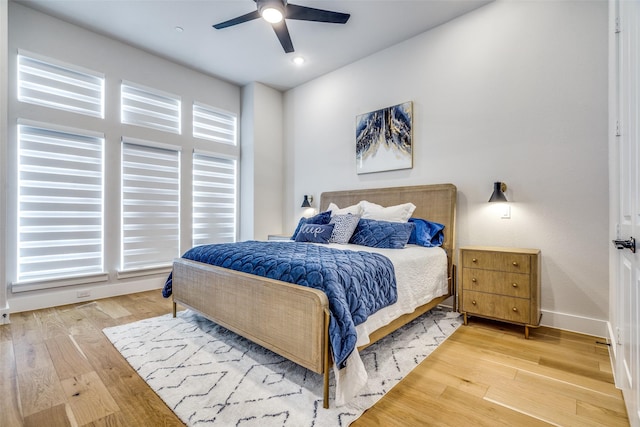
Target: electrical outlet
(506,212)
(83,294)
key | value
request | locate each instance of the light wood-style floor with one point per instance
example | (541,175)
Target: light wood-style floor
(58,369)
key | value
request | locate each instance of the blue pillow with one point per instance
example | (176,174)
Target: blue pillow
(382,234)
(321,218)
(426,233)
(315,233)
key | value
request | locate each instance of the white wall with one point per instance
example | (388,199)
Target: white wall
(44,35)
(515,91)
(261,184)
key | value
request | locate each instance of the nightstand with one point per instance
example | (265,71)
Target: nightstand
(278,237)
(501,284)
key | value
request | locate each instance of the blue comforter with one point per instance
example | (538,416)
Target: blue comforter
(357,284)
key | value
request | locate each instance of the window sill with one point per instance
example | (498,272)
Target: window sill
(59,283)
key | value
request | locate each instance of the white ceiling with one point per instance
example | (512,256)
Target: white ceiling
(250,51)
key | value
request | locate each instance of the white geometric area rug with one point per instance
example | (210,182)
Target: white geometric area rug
(210,376)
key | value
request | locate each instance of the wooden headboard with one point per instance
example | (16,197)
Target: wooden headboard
(435,203)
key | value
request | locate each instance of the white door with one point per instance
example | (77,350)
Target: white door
(625,150)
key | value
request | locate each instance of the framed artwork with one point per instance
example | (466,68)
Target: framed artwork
(384,139)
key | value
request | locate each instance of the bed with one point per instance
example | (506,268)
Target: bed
(293,320)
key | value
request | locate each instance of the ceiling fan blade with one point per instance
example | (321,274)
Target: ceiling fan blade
(239,20)
(283,35)
(305,13)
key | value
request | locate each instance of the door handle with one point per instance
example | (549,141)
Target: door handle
(626,244)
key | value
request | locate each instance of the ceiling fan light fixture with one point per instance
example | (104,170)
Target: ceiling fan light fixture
(277,11)
(272,13)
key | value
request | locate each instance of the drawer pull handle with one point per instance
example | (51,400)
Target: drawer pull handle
(515,263)
(515,308)
(473,302)
(474,280)
(515,285)
(474,260)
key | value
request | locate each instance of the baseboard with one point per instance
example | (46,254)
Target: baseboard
(36,300)
(51,298)
(573,323)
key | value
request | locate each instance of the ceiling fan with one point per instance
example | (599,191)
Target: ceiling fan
(276,11)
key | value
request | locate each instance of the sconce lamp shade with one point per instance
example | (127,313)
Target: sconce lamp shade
(306,203)
(498,192)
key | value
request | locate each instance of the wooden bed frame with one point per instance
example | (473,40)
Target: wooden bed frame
(293,320)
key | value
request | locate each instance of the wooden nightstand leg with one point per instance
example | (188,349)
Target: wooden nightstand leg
(526,332)
(465,317)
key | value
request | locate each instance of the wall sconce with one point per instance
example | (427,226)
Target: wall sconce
(498,196)
(306,203)
(498,192)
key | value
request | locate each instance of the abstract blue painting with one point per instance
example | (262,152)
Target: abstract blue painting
(384,139)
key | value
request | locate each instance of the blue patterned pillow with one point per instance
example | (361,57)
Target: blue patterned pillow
(315,233)
(426,233)
(321,218)
(344,227)
(382,234)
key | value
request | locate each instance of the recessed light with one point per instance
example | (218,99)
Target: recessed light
(298,60)
(179,29)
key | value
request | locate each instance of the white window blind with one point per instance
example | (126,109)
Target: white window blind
(150,108)
(214,199)
(60,203)
(150,205)
(64,87)
(213,124)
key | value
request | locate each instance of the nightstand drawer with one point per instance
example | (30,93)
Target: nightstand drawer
(497,282)
(496,306)
(499,261)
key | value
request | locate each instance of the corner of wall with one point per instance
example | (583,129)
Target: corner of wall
(247,94)
(4,67)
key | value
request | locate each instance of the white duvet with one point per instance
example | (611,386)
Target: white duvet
(421,275)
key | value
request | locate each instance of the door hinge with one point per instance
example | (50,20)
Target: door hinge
(617,29)
(618,128)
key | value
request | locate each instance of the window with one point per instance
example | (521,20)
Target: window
(213,124)
(84,210)
(150,204)
(214,199)
(60,203)
(150,108)
(42,81)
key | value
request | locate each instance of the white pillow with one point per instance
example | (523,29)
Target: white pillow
(398,213)
(353,209)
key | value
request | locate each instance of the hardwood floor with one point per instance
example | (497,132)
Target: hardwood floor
(58,369)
